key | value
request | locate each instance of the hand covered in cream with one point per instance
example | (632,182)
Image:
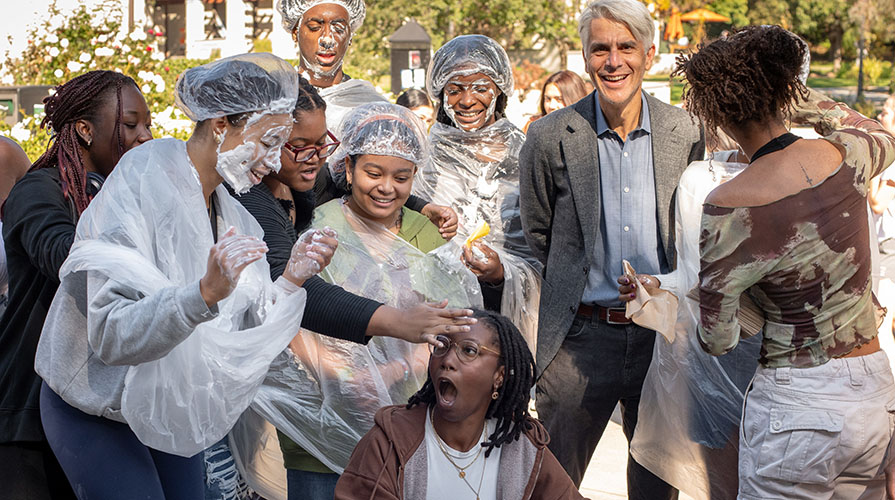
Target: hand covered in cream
(311,253)
(226,260)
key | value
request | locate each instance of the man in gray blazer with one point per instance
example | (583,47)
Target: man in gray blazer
(597,186)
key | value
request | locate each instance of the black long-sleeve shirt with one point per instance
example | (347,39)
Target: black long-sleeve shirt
(38,231)
(329,310)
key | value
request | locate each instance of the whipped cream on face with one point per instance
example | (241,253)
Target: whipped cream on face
(452,114)
(236,165)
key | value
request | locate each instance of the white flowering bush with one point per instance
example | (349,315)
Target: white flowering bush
(67,44)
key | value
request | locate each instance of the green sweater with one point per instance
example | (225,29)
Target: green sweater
(417,230)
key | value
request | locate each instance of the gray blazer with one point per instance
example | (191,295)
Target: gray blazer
(560,201)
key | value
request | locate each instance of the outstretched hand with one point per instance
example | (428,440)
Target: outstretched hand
(421,323)
(226,261)
(310,254)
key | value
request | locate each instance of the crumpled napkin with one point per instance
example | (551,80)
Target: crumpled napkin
(656,312)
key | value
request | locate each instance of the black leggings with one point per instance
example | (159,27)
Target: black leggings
(104,459)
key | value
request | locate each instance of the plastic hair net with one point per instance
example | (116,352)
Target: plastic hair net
(343,97)
(148,229)
(466,55)
(695,400)
(380,128)
(237,84)
(293,10)
(324,392)
(477,173)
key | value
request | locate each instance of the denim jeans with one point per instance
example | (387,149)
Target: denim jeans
(222,479)
(817,433)
(598,366)
(306,485)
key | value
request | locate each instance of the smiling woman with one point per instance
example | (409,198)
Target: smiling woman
(475,169)
(138,347)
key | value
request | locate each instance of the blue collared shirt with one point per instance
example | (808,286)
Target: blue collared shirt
(629,221)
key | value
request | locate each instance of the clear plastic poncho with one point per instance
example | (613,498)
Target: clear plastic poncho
(477,173)
(691,402)
(149,229)
(238,84)
(293,10)
(466,55)
(379,128)
(324,392)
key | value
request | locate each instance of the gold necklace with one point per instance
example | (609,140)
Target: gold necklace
(460,470)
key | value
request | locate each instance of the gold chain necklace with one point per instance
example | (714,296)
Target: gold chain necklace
(460,470)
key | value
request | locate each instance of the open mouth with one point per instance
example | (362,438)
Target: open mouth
(469,117)
(257,173)
(446,391)
(613,79)
(326,58)
(309,174)
(382,202)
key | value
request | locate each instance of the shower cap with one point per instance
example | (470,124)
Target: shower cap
(466,55)
(380,128)
(237,84)
(292,10)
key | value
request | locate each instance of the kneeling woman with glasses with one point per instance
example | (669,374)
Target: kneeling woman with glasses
(467,433)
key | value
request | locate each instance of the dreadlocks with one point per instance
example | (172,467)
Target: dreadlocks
(511,406)
(80,98)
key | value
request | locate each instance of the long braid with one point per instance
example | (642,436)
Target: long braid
(80,98)
(511,406)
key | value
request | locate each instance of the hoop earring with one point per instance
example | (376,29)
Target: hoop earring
(495,395)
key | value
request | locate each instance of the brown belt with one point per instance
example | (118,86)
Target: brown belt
(611,315)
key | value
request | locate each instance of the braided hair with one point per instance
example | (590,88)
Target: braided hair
(748,76)
(81,98)
(308,99)
(511,406)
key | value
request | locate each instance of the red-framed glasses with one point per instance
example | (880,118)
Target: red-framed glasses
(304,154)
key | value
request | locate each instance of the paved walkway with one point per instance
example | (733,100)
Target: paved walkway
(605,476)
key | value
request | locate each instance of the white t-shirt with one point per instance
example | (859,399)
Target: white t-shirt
(444,481)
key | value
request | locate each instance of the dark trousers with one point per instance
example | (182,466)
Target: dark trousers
(103,459)
(597,366)
(30,471)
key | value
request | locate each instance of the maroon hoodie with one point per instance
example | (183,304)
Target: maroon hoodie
(390,464)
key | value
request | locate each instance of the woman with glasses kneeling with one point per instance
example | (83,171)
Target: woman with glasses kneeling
(461,435)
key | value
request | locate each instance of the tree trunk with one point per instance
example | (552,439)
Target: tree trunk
(836,47)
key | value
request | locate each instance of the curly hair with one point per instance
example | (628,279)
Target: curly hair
(749,76)
(511,406)
(81,98)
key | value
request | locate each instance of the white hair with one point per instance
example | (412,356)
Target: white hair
(632,13)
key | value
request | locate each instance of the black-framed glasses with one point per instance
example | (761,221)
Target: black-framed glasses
(467,350)
(304,154)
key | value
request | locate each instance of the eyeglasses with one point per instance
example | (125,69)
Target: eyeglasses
(467,350)
(304,154)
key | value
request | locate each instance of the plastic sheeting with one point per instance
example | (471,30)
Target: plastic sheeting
(691,401)
(237,84)
(477,173)
(343,97)
(324,392)
(148,229)
(380,128)
(293,10)
(466,55)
